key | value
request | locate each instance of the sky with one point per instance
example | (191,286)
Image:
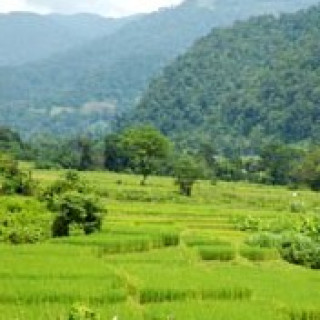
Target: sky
(110,8)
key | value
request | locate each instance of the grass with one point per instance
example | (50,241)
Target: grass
(259,254)
(220,252)
(162,256)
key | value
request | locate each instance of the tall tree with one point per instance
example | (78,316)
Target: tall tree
(309,170)
(279,161)
(187,170)
(86,158)
(146,147)
(115,156)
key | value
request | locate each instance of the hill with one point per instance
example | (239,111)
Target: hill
(87,86)
(240,87)
(27,37)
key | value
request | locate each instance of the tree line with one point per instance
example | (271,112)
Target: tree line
(146,151)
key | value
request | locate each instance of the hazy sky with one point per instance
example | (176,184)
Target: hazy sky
(104,7)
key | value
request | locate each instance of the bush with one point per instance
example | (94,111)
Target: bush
(301,250)
(77,208)
(70,181)
(81,312)
(21,183)
(264,240)
(15,181)
(297,207)
(248,224)
(70,198)
(24,221)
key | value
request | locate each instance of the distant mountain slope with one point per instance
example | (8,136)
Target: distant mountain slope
(26,37)
(241,86)
(111,73)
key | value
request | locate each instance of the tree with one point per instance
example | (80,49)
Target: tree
(86,159)
(11,142)
(309,170)
(73,203)
(279,161)
(115,156)
(15,181)
(146,147)
(187,170)
(80,209)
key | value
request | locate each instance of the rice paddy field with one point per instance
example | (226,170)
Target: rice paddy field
(162,256)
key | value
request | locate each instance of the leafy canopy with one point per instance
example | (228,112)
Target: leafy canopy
(146,146)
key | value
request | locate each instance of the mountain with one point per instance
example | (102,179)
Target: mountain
(84,88)
(240,87)
(27,37)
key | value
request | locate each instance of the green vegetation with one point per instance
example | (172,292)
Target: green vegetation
(87,86)
(242,87)
(187,171)
(80,312)
(74,205)
(163,255)
(296,237)
(228,225)
(24,220)
(221,253)
(145,148)
(309,170)
(13,180)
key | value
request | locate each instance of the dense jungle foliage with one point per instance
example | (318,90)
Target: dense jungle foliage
(242,87)
(88,85)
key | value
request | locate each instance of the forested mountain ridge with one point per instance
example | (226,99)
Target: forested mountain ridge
(28,37)
(87,86)
(242,86)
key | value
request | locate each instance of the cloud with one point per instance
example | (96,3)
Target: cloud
(21,5)
(113,8)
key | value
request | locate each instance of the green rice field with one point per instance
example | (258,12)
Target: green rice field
(163,256)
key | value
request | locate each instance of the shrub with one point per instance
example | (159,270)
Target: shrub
(24,221)
(297,207)
(78,208)
(70,198)
(15,181)
(81,312)
(264,240)
(248,223)
(70,182)
(301,250)
(20,183)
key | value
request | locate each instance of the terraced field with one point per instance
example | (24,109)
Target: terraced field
(162,256)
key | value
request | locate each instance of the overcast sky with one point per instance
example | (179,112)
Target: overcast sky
(115,8)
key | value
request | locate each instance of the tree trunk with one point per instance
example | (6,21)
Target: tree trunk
(143,181)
